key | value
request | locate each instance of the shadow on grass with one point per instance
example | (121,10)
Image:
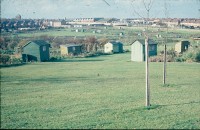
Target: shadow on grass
(156,106)
(12,65)
(179,104)
(143,108)
(77,60)
(169,85)
(46,79)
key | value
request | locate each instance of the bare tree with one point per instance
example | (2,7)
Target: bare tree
(102,41)
(91,43)
(147,5)
(165,47)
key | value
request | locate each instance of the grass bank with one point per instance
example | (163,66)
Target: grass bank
(101,92)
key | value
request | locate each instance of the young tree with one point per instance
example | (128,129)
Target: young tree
(165,47)
(147,5)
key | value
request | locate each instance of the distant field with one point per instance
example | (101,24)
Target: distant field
(110,32)
(102,92)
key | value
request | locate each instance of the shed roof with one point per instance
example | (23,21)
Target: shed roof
(71,45)
(38,42)
(115,42)
(182,43)
(142,41)
(185,41)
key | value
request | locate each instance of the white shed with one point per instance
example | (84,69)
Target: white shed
(113,47)
(138,49)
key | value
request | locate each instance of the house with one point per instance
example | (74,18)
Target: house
(71,49)
(138,49)
(113,47)
(55,24)
(37,50)
(182,46)
(78,25)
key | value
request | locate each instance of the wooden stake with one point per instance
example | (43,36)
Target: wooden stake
(164,65)
(165,47)
(147,72)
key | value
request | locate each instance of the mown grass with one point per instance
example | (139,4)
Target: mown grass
(101,92)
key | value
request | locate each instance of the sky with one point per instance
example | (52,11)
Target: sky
(60,9)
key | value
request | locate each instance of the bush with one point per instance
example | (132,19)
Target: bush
(6,51)
(197,57)
(4,58)
(126,50)
(93,54)
(192,55)
(16,61)
(179,59)
(55,58)
(160,58)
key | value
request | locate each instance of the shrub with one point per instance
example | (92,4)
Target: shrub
(55,58)
(6,51)
(179,59)
(93,54)
(197,57)
(156,59)
(192,55)
(160,58)
(4,58)
(126,50)
(16,61)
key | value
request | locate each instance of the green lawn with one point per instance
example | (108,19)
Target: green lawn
(101,92)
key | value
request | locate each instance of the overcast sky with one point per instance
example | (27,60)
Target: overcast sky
(99,8)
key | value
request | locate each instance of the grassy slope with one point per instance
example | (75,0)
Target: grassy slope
(70,94)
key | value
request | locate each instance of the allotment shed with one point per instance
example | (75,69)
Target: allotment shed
(182,46)
(113,47)
(71,49)
(36,50)
(138,49)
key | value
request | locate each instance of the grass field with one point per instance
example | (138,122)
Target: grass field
(113,32)
(101,92)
